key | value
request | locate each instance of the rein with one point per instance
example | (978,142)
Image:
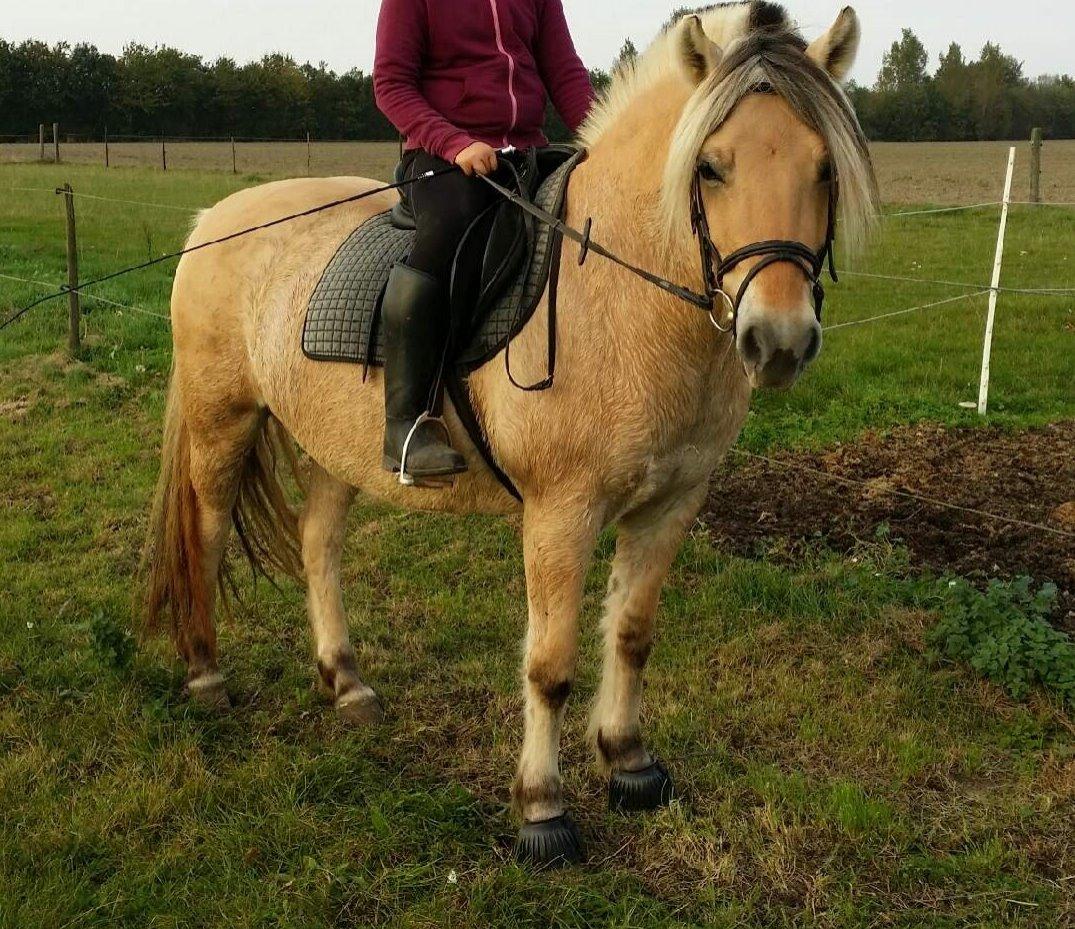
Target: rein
(715,267)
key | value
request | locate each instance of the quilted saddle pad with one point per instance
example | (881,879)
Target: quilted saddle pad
(341,317)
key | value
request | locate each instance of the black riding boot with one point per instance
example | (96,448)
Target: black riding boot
(416,324)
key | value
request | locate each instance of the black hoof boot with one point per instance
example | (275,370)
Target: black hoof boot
(640,791)
(552,843)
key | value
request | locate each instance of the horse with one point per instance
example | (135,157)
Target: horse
(729,109)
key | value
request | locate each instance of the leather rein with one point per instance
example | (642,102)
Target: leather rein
(715,266)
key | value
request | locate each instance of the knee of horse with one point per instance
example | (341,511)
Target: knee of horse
(551,678)
(634,640)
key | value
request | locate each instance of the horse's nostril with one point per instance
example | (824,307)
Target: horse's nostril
(749,347)
(814,348)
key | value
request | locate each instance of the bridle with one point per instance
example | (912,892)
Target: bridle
(715,267)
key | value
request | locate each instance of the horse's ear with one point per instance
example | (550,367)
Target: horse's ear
(835,51)
(698,54)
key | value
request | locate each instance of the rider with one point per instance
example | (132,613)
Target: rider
(459,79)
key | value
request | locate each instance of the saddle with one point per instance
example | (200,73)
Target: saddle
(510,253)
(512,257)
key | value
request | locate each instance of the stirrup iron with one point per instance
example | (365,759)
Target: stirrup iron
(405,478)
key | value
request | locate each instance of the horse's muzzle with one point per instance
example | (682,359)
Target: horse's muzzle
(776,347)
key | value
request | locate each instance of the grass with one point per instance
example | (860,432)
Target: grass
(833,774)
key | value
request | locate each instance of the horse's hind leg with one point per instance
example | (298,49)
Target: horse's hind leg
(217,459)
(323,529)
(646,544)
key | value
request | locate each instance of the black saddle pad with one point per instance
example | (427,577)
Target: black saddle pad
(340,319)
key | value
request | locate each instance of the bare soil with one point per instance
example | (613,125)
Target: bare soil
(960,173)
(841,498)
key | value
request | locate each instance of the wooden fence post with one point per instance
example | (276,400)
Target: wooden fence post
(307,154)
(164,154)
(74,312)
(1035,166)
(234,168)
(106,147)
(56,142)
(41,139)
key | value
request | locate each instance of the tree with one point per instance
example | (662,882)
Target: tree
(995,78)
(904,64)
(955,86)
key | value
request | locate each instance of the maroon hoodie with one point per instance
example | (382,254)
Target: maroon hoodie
(451,72)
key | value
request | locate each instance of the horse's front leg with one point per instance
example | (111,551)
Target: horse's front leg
(646,544)
(558,542)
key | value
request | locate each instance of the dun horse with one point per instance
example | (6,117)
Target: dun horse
(648,398)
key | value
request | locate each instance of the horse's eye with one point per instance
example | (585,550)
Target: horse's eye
(710,173)
(824,174)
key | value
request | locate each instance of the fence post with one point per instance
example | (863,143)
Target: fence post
(234,169)
(1035,166)
(106,147)
(307,154)
(164,154)
(41,139)
(74,339)
(56,142)
(987,350)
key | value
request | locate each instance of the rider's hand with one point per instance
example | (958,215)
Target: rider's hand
(477,158)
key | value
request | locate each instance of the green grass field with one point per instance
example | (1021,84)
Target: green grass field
(834,775)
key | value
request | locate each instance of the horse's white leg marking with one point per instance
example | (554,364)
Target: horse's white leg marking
(558,544)
(324,528)
(645,547)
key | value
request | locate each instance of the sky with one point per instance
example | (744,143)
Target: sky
(340,32)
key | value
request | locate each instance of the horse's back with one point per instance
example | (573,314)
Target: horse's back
(227,297)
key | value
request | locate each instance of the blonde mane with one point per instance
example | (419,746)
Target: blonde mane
(760,45)
(723,23)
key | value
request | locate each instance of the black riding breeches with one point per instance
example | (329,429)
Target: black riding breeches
(444,208)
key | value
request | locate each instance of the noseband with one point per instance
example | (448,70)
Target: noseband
(715,267)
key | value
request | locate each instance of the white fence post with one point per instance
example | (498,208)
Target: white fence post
(987,350)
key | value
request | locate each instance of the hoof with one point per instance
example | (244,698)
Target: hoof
(639,791)
(552,843)
(208,691)
(362,709)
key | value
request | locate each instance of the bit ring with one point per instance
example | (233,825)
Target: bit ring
(730,305)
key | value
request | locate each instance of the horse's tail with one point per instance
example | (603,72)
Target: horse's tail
(174,558)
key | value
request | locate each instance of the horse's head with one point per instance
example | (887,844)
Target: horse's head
(769,150)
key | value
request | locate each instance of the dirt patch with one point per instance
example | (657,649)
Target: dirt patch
(808,498)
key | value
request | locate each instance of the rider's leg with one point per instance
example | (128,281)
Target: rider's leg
(416,318)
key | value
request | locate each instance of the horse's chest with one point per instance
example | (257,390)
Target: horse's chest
(668,475)
(675,467)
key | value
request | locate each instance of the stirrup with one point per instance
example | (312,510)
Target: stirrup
(408,480)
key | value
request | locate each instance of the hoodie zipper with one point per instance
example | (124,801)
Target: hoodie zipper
(511,70)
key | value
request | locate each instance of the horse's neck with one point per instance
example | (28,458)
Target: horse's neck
(658,346)
(619,188)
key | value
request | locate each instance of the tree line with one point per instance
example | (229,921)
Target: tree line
(962,100)
(153,91)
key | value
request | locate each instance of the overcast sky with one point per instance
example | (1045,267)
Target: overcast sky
(340,32)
